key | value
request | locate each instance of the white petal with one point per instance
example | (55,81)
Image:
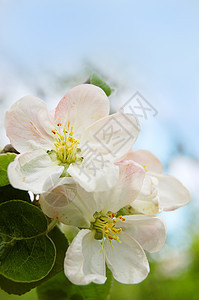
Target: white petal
(172,193)
(149,232)
(146,207)
(69,204)
(147,201)
(127,260)
(146,158)
(95,175)
(30,171)
(112,136)
(84,263)
(28,125)
(126,189)
(51,183)
(82,106)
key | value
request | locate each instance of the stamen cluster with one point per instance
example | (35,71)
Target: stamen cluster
(104,227)
(66,145)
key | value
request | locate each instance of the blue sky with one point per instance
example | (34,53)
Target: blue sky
(149,46)
(146,46)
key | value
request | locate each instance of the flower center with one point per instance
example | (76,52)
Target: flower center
(104,227)
(66,146)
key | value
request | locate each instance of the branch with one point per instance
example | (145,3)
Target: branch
(9,148)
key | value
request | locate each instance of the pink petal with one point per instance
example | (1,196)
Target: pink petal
(82,106)
(149,232)
(146,158)
(28,125)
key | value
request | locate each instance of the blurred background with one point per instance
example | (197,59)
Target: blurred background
(150,47)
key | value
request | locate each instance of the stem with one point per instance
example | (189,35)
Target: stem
(51,225)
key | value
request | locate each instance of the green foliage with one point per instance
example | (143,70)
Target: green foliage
(5,159)
(55,288)
(97,291)
(7,193)
(61,245)
(61,288)
(170,286)
(27,253)
(96,80)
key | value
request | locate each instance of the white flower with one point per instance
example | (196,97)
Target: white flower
(106,236)
(159,192)
(60,144)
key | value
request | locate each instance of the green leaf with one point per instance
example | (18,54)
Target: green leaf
(61,245)
(97,291)
(7,193)
(5,159)
(96,80)
(55,288)
(19,288)
(59,287)
(26,253)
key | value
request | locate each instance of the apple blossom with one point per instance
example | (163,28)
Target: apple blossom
(159,191)
(59,147)
(105,235)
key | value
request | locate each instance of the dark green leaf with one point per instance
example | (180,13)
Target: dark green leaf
(27,260)
(55,288)
(26,253)
(20,220)
(5,159)
(7,193)
(61,245)
(61,288)
(19,288)
(96,80)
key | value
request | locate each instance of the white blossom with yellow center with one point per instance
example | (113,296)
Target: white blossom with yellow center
(60,147)
(105,235)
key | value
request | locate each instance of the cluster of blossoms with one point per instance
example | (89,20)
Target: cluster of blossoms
(113,204)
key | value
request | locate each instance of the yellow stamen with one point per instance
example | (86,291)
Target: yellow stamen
(145,168)
(105,228)
(66,145)
(57,145)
